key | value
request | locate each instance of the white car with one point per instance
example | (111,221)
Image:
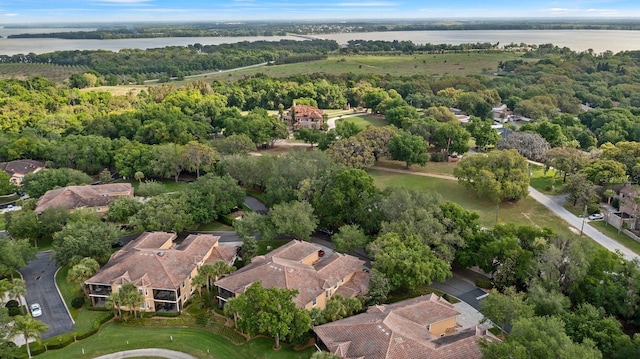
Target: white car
(595,216)
(36,311)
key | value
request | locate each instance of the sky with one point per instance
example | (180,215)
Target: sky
(83,11)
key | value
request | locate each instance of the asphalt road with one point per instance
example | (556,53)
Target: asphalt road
(255,204)
(39,276)
(462,286)
(596,235)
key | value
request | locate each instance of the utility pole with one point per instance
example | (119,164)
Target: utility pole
(584,218)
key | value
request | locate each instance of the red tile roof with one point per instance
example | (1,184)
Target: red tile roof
(282,268)
(305,111)
(399,331)
(73,197)
(148,260)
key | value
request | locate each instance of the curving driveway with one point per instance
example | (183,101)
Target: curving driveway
(39,276)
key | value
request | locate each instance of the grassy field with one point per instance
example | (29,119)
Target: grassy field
(199,343)
(547,183)
(524,212)
(433,65)
(439,168)
(366,121)
(23,71)
(612,232)
(396,65)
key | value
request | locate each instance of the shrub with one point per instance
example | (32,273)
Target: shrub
(97,309)
(438,157)
(37,348)
(13,311)
(77,302)
(167,314)
(226,219)
(59,342)
(483,283)
(12,304)
(149,189)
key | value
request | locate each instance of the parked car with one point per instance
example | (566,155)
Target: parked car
(595,216)
(36,311)
(326,231)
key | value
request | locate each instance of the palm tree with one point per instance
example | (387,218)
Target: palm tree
(29,328)
(114,302)
(198,282)
(215,270)
(82,271)
(130,297)
(18,290)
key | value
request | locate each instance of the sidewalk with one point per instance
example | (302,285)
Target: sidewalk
(152,352)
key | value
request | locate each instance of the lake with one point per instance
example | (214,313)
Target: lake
(578,40)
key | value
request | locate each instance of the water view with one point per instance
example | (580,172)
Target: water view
(578,40)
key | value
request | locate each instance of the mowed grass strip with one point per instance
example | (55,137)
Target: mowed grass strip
(365,121)
(613,233)
(523,212)
(438,168)
(199,343)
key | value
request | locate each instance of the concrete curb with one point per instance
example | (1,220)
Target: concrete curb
(60,294)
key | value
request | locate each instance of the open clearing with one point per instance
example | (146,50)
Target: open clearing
(524,212)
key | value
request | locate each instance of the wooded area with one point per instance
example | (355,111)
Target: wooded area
(586,125)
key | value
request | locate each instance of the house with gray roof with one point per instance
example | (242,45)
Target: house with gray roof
(18,169)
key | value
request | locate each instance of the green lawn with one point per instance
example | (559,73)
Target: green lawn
(547,183)
(612,232)
(392,64)
(439,168)
(365,121)
(524,212)
(83,318)
(265,246)
(199,343)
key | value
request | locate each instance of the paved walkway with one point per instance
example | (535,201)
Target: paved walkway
(152,352)
(553,205)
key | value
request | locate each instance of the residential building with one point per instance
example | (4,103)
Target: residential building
(303,266)
(160,266)
(629,199)
(418,328)
(96,197)
(19,168)
(304,116)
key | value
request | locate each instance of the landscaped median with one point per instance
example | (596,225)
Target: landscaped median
(200,333)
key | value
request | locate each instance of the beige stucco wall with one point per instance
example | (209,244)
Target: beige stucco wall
(441,327)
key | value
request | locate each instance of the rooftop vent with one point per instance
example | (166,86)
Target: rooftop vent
(160,254)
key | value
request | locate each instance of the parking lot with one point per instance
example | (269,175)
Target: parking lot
(40,281)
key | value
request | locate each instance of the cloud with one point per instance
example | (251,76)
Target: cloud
(11,14)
